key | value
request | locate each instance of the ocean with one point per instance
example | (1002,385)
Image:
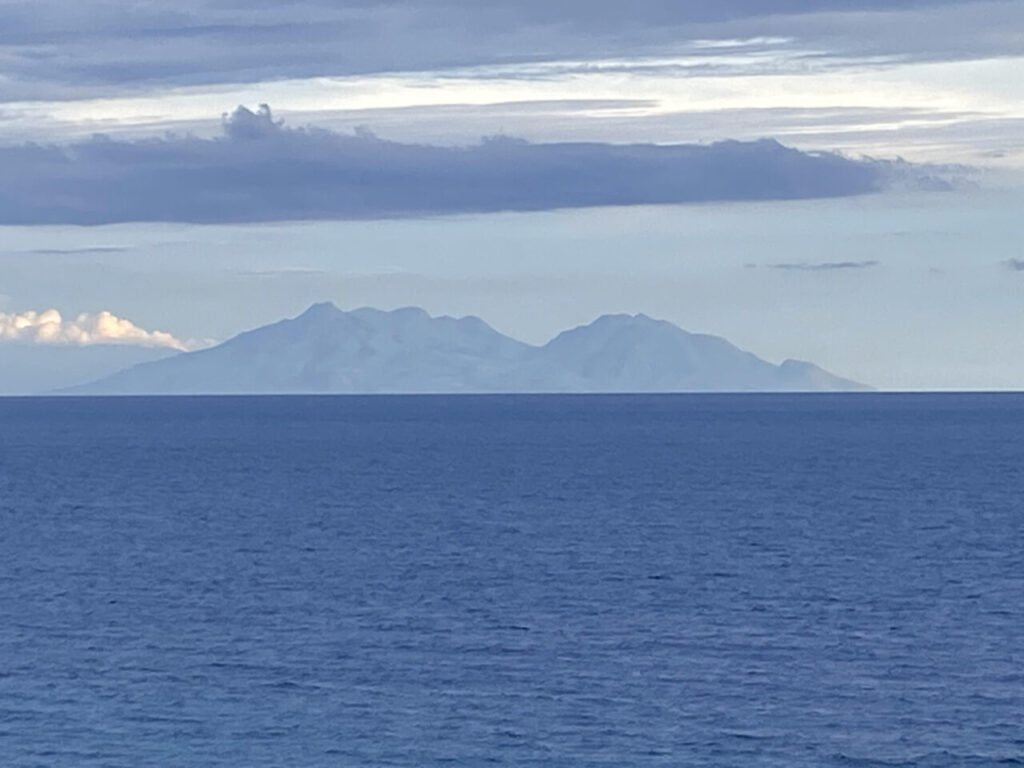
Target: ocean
(704,580)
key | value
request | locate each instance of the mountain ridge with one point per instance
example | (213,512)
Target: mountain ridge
(406,350)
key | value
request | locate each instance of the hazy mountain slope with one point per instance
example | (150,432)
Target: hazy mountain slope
(327,350)
(623,353)
(28,369)
(406,350)
(635,353)
(799,375)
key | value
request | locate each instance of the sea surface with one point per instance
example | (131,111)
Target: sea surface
(804,580)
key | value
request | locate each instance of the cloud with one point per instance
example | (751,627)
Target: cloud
(70,46)
(50,327)
(94,251)
(825,266)
(1017,265)
(261,170)
(285,272)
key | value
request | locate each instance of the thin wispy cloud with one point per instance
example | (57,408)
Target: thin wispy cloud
(1016,265)
(827,266)
(92,251)
(262,170)
(283,272)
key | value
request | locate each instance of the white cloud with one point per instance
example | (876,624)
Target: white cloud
(50,327)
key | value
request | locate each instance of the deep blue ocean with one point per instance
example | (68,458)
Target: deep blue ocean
(802,580)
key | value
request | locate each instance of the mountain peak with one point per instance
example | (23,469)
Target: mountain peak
(320,309)
(623,326)
(624,318)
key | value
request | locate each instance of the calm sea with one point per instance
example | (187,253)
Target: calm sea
(521,581)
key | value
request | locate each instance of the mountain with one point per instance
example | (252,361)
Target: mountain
(33,368)
(326,350)
(624,353)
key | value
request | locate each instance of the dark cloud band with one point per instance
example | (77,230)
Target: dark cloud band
(260,170)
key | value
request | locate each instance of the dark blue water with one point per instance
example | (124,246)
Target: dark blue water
(536,581)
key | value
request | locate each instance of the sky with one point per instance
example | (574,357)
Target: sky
(832,180)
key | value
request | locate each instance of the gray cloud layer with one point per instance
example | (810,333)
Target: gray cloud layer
(260,170)
(65,48)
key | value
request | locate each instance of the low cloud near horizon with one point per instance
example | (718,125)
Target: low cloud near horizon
(51,328)
(262,170)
